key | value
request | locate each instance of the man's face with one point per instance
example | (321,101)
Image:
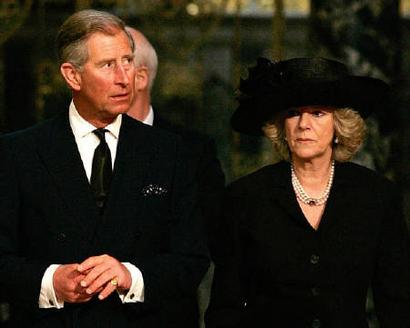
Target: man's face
(106,79)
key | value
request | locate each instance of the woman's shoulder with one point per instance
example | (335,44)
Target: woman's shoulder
(361,176)
(351,169)
(260,180)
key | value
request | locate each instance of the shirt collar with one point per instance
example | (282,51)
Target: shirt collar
(149,119)
(81,128)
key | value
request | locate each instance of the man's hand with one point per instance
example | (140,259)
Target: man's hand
(66,281)
(103,275)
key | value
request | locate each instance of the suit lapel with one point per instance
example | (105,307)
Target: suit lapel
(135,152)
(59,154)
(337,207)
(134,155)
(282,192)
(339,203)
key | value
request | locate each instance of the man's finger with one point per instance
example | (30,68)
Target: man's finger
(91,262)
(107,291)
(93,274)
(105,278)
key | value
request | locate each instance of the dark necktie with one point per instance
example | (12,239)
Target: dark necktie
(102,170)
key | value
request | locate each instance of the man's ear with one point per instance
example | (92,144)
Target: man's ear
(71,76)
(141,78)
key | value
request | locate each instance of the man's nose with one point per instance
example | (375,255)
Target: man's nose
(122,75)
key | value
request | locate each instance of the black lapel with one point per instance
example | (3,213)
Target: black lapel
(338,205)
(340,202)
(135,152)
(59,153)
(282,191)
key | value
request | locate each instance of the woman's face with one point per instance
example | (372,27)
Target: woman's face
(309,131)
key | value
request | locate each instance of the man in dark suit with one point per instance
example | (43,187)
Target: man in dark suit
(200,151)
(82,245)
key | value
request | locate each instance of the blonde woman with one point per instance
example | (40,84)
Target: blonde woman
(305,238)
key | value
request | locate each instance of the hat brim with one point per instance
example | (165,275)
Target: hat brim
(363,94)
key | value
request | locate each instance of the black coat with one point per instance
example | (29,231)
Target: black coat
(48,215)
(275,270)
(200,155)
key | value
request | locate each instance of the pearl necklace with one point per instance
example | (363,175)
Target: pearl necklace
(303,196)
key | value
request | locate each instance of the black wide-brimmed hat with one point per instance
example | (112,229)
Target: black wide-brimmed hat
(272,87)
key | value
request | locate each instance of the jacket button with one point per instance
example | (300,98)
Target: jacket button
(315,291)
(137,235)
(314,259)
(61,236)
(316,323)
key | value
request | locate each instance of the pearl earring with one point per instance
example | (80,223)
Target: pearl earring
(336,141)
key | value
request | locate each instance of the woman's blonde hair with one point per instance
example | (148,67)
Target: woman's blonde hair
(350,131)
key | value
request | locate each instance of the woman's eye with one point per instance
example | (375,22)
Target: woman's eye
(318,113)
(292,113)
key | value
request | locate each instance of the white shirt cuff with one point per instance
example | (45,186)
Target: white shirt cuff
(48,298)
(136,292)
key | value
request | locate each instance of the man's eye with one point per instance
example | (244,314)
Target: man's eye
(108,65)
(127,61)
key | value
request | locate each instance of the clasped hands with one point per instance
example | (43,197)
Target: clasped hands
(78,283)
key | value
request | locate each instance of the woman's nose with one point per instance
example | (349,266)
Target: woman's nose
(304,121)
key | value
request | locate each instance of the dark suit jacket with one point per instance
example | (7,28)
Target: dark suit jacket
(48,215)
(275,270)
(201,160)
(200,156)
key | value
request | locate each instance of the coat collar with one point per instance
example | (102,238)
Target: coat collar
(135,152)
(279,182)
(58,151)
(279,186)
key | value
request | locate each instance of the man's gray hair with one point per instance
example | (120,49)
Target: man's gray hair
(76,30)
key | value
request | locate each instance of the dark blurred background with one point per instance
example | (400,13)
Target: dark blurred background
(204,47)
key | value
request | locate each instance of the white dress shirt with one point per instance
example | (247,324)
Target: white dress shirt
(86,142)
(149,119)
